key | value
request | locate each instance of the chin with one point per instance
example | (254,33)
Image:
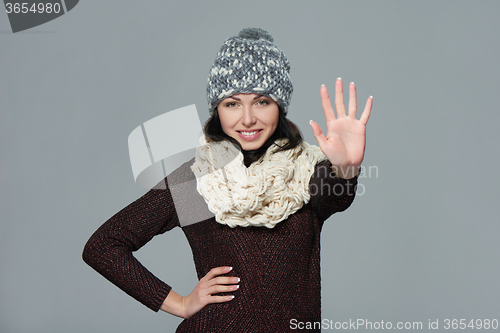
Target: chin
(250,145)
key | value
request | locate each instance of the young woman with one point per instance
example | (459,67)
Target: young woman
(258,257)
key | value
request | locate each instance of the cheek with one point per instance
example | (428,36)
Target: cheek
(226,122)
(273,119)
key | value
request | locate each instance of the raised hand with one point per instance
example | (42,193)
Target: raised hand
(344,144)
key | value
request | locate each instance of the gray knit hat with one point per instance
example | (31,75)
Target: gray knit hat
(250,63)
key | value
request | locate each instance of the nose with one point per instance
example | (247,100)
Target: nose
(248,116)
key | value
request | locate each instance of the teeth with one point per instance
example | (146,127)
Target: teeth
(249,133)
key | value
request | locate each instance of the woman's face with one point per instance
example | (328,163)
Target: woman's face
(253,114)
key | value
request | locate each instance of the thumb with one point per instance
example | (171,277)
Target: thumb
(318,133)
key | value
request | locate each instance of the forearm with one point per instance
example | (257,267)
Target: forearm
(329,192)
(120,267)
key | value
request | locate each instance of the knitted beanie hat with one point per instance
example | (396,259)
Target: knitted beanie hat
(250,63)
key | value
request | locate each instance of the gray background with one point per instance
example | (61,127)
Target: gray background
(422,241)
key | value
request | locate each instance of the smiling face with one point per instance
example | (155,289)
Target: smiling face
(251,119)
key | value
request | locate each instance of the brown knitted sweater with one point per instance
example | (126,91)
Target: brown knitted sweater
(279,267)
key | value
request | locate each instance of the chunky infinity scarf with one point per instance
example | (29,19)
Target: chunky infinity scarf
(265,193)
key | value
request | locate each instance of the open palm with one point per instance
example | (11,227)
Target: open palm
(344,144)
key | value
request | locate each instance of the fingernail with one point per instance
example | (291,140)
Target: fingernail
(230,297)
(237,286)
(322,85)
(371,97)
(352,82)
(339,78)
(310,122)
(230,268)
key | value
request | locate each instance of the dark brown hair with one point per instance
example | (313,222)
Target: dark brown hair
(285,129)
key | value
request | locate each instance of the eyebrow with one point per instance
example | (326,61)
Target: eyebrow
(256,97)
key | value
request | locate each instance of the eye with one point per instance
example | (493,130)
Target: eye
(263,102)
(230,104)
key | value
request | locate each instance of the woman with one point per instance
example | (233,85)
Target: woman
(258,258)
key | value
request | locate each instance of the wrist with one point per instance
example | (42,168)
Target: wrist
(174,304)
(346,172)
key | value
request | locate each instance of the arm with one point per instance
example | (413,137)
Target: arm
(109,249)
(344,147)
(109,252)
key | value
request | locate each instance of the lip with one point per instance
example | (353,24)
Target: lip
(250,137)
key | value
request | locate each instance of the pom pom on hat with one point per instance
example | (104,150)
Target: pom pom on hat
(256,33)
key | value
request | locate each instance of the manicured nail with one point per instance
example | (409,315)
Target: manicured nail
(237,279)
(236,286)
(230,268)
(322,85)
(230,297)
(352,82)
(310,122)
(371,97)
(339,78)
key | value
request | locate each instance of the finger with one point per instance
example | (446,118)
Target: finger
(352,100)
(318,133)
(220,299)
(221,289)
(339,98)
(223,280)
(366,113)
(216,271)
(326,103)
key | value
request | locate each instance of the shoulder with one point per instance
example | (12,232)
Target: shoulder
(189,204)
(180,175)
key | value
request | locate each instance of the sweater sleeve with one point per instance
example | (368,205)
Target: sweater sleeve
(330,194)
(109,249)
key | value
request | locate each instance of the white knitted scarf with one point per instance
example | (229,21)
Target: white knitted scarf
(265,193)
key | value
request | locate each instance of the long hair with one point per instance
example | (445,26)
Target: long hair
(285,129)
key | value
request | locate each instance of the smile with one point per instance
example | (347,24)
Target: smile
(247,135)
